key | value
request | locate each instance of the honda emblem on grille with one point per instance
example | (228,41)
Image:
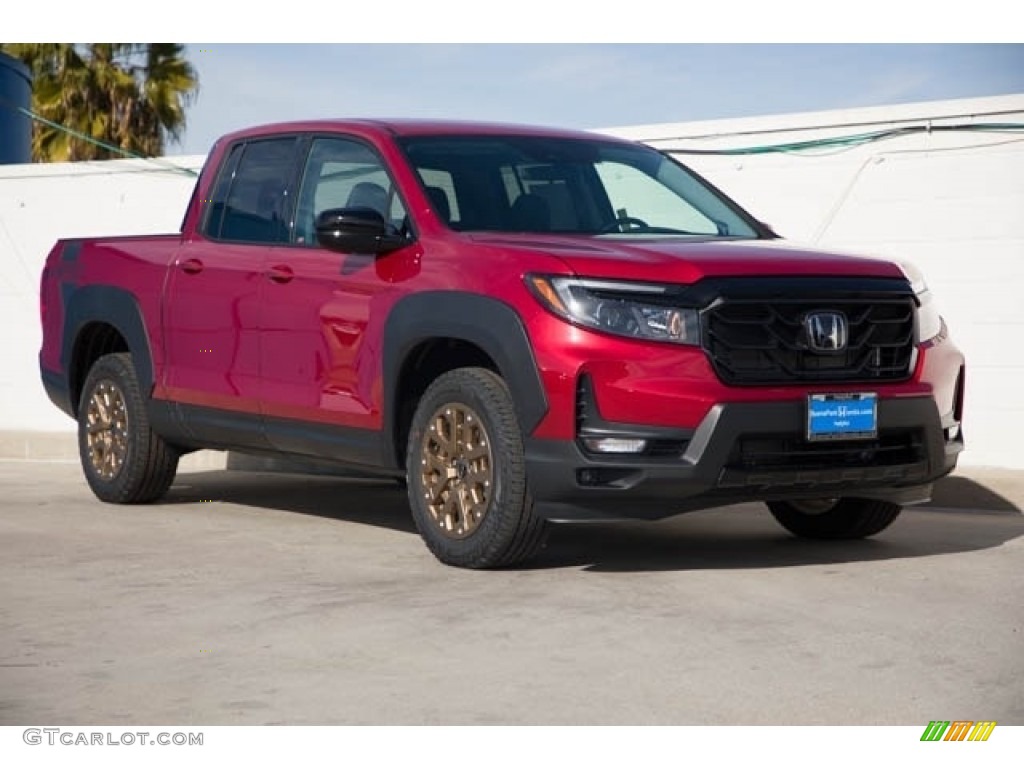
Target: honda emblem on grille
(826,331)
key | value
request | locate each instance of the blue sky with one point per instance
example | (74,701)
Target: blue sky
(578,86)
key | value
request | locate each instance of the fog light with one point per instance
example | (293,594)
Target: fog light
(614,445)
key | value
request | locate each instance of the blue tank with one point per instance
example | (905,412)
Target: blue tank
(15,128)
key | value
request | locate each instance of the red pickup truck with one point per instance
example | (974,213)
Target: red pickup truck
(526,325)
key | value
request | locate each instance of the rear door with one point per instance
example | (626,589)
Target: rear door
(212,305)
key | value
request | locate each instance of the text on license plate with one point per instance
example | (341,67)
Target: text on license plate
(842,416)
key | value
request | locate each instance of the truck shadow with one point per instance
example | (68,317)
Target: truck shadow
(381,503)
(746,536)
(730,538)
(957,491)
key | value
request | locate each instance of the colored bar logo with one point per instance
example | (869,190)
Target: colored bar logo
(958,730)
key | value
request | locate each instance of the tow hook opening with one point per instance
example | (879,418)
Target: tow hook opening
(608,477)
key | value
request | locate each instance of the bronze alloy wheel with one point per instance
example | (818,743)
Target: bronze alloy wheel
(107,429)
(457,469)
(466,471)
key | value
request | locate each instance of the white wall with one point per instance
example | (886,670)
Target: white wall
(953,203)
(40,203)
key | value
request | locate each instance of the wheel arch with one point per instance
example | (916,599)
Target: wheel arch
(427,334)
(99,320)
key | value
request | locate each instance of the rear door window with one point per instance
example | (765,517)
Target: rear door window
(250,202)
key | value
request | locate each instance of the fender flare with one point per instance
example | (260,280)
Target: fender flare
(115,307)
(487,323)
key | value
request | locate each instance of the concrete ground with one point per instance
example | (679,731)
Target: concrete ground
(251,598)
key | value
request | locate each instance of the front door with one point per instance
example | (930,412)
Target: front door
(318,367)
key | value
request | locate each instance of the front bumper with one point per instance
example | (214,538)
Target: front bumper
(747,451)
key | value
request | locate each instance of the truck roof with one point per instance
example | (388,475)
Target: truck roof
(415,127)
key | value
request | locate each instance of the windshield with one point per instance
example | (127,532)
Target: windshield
(571,186)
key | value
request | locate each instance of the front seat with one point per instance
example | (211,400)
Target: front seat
(369,194)
(531,213)
(439,200)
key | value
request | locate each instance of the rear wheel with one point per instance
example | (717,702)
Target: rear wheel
(124,461)
(834,518)
(466,473)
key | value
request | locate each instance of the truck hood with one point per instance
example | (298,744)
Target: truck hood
(675,260)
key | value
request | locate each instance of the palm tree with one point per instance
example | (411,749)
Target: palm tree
(129,96)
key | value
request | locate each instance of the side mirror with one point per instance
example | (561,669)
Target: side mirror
(356,230)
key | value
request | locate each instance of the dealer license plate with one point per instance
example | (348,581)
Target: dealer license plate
(842,417)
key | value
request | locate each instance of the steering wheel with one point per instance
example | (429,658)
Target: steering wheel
(631,222)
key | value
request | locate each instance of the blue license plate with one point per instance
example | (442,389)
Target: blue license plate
(842,417)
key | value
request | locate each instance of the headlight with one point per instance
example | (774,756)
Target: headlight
(635,310)
(929,322)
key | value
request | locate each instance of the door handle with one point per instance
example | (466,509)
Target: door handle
(191,266)
(280,273)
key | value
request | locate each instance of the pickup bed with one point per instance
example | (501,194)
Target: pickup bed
(524,325)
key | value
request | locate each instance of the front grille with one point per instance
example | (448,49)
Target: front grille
(786,452)
(752,341)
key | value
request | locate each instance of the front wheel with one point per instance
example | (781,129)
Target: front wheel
(466,473)
(834,518)
(124,460)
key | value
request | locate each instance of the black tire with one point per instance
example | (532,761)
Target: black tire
(147,465)
(845,519)
(506,531)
